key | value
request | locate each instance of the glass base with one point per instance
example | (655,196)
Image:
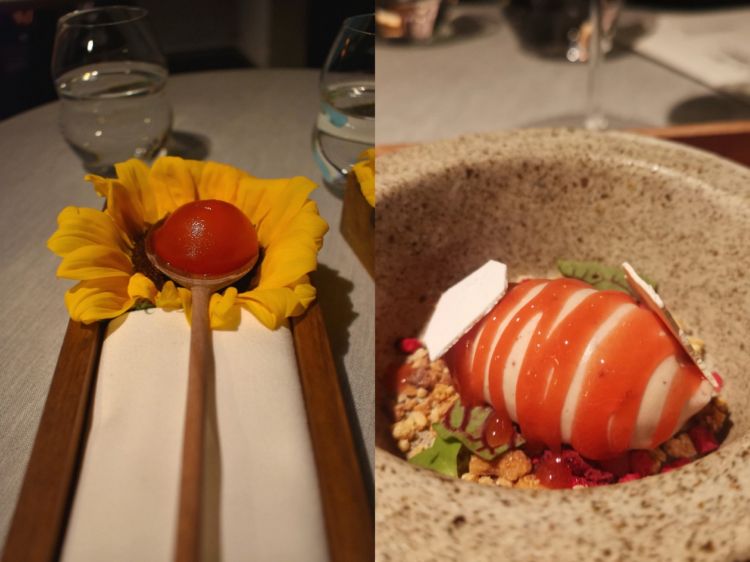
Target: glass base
(333,179)
(336,186)
(596,122)
(580,120)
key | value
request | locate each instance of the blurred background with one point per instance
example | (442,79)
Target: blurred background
(448,67)
(193,34)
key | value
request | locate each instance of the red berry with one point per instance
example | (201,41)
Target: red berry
(552,472)
(409,345)
(703,440)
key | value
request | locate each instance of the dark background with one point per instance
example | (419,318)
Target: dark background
(194,35)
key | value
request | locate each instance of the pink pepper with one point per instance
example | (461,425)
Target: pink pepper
(719,379)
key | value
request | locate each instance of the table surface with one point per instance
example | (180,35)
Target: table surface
(487,82)
(257,120)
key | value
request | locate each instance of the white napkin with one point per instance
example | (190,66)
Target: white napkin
(125,507)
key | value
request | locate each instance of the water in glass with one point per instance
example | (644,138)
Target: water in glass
(114,111)
(345,124)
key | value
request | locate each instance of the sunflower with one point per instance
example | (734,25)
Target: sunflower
(364,170)
(104,250)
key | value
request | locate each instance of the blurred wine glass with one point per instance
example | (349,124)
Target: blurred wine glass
(345,125)
(580,30)
(110,77)
(603,15)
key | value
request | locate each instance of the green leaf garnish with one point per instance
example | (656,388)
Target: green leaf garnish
(142,304)
(601,277)
(466,425)
(442,457)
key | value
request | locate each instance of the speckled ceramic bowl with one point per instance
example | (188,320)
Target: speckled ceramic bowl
(528,198)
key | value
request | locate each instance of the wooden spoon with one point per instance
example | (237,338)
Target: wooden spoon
(200,368)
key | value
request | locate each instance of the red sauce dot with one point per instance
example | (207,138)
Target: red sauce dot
(553,473)
(498,430)
(206,237)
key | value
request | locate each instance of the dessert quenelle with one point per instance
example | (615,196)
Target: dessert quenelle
(559,384)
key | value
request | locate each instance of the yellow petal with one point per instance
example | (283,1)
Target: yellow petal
(295,253)
(219,181)
(367,154)
(125,210)
(271,306)
(134,176)
(98,299)
(365,173)
(306,293)
(174,182)
(79,227)
(288,260)
(101,185)
(255,197)
(141,287)
(284,206)
(224,310)
(171,297)
(94,262)
(266,317)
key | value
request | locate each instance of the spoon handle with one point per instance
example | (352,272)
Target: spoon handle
(201,362)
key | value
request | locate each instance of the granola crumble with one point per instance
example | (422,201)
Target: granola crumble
(427,393)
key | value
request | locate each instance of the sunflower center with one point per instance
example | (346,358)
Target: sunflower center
(143,265)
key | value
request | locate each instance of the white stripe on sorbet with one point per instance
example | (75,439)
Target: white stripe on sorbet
(694,404)
(573,301)
(513,364)
(576,385)
(534,291)
(652,403)
(475,344)
(570,305)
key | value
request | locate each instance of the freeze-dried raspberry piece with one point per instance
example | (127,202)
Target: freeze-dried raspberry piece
(703,440)
(581,481)
(579,467)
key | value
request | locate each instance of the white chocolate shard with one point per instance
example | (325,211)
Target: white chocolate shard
(462,306)
(653,302)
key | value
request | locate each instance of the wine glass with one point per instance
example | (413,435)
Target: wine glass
(345,126)
(110,77)
(602,19)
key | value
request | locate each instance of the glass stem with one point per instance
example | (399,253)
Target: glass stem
(595,119)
